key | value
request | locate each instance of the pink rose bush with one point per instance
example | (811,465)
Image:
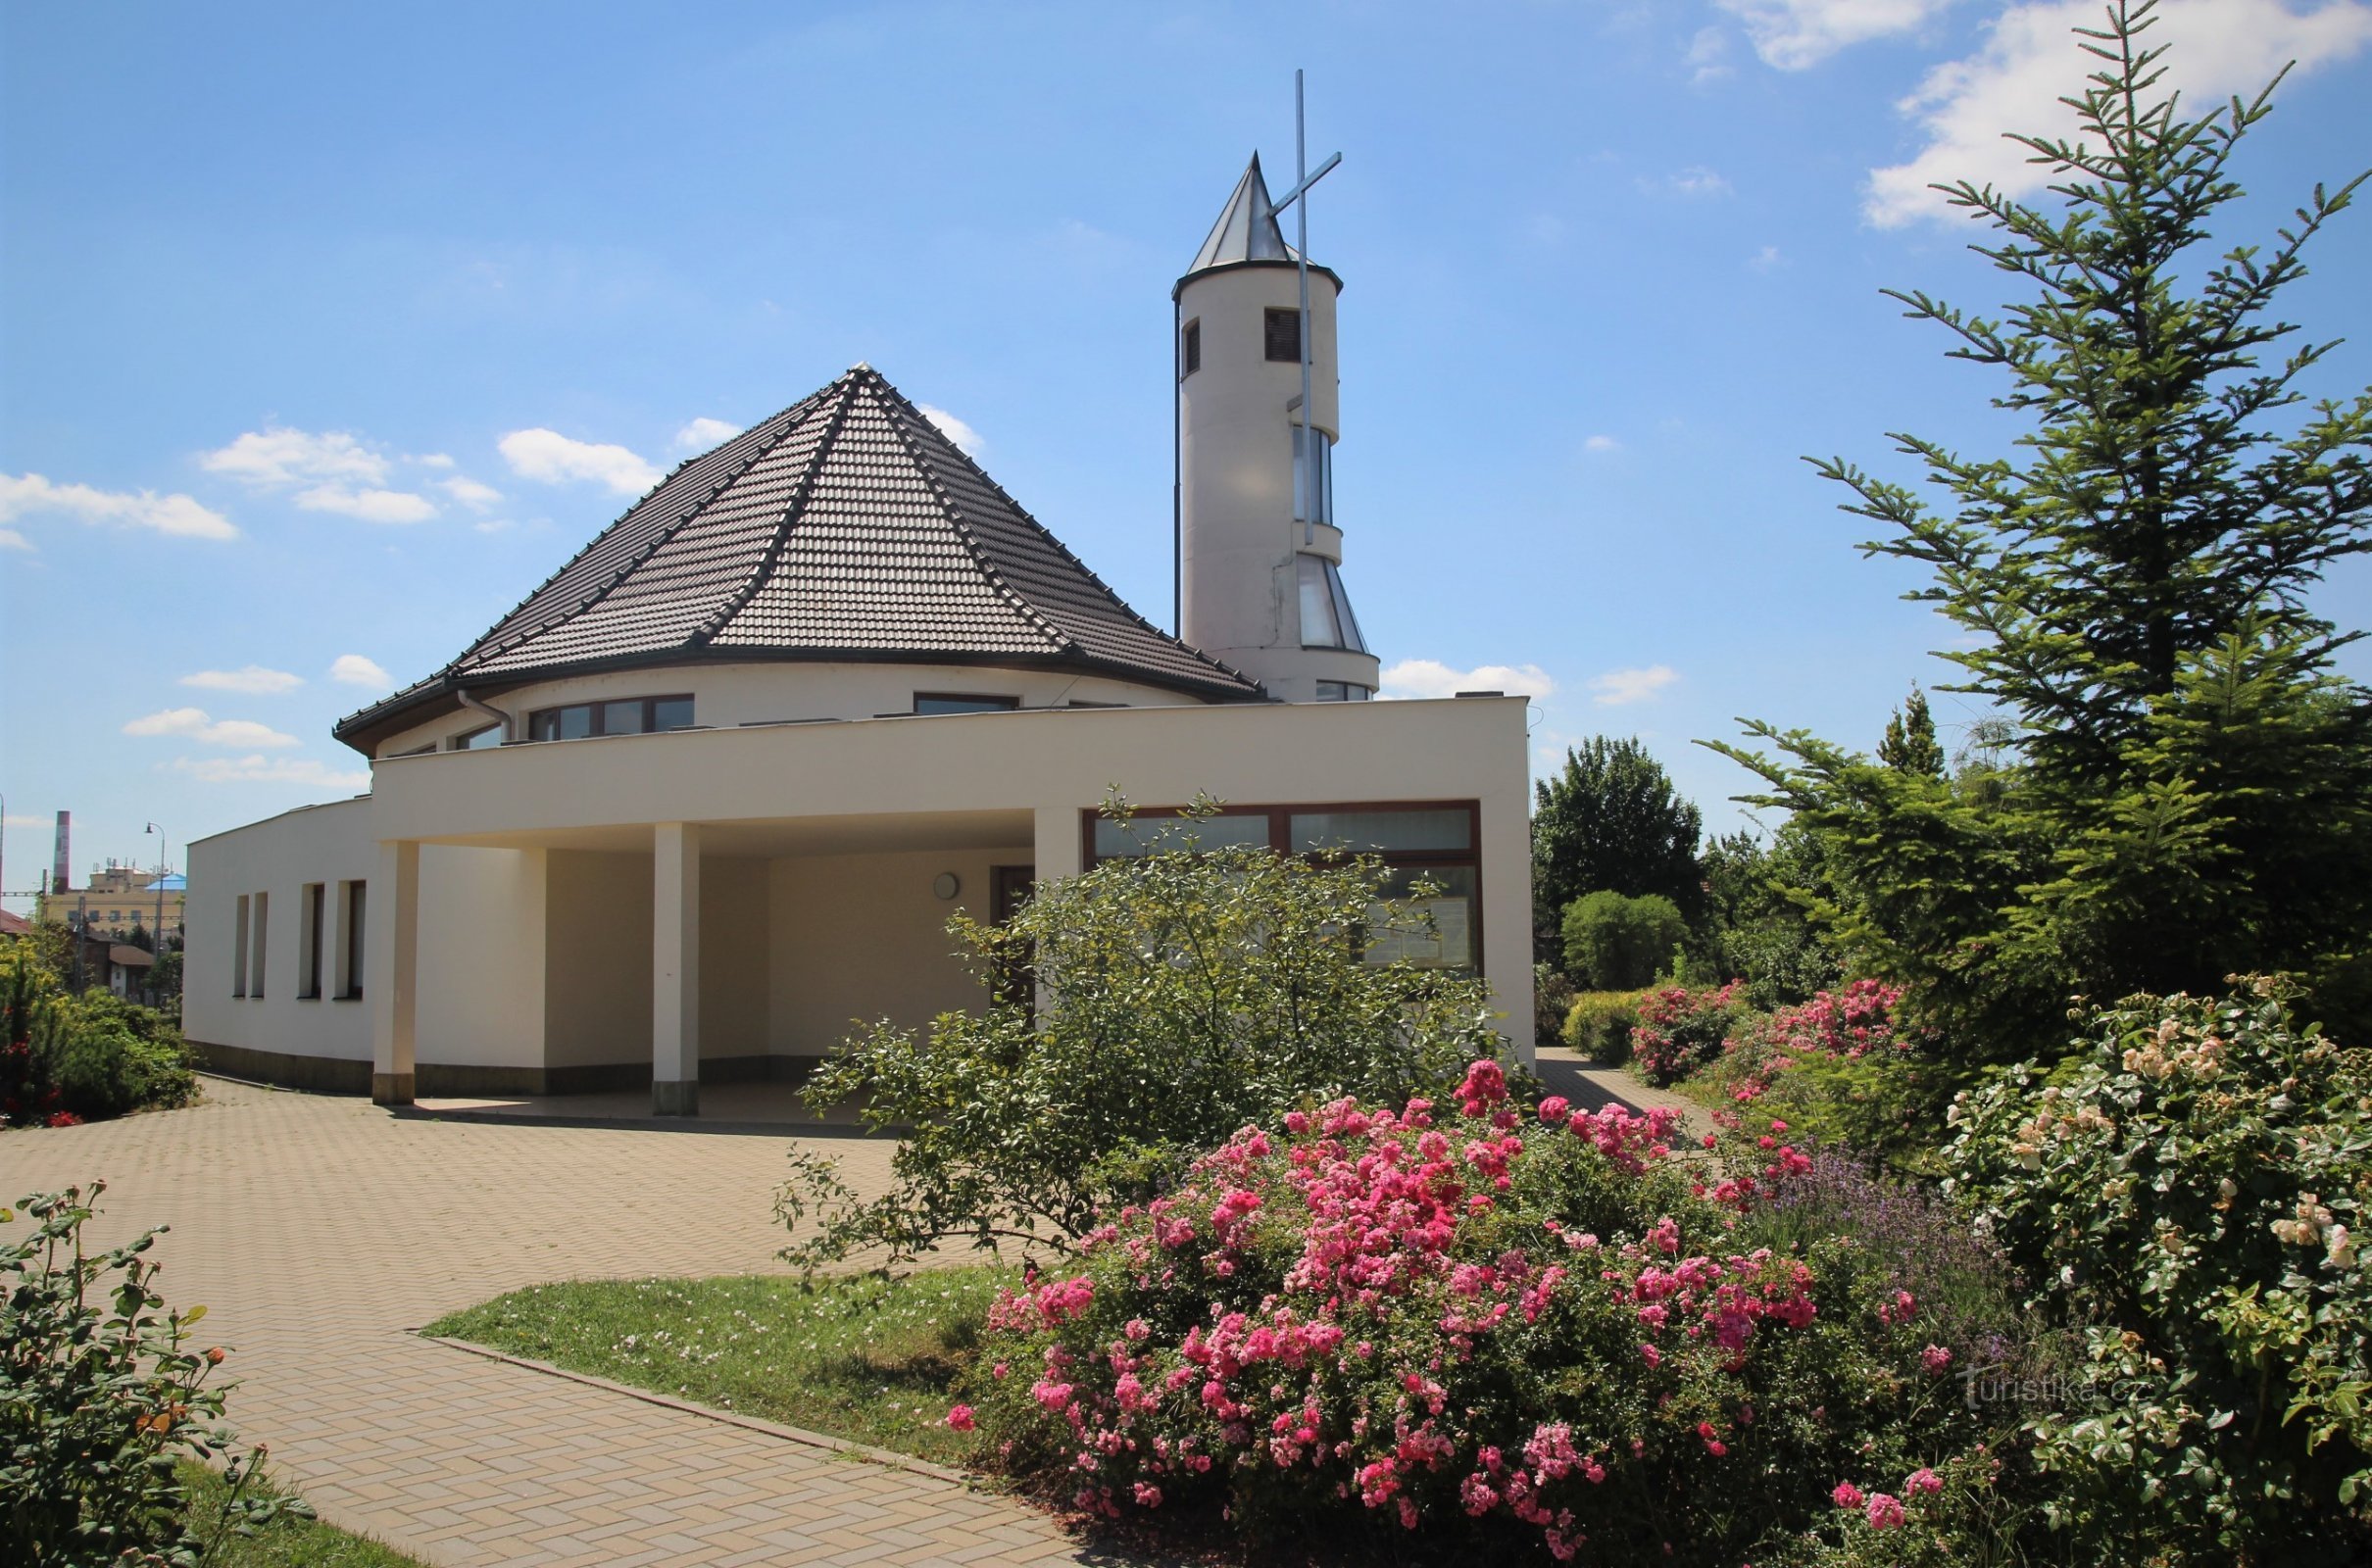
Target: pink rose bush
(1546,1332)
(1679,1030)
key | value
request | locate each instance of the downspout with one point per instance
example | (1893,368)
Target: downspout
(1178,467)
(510,727)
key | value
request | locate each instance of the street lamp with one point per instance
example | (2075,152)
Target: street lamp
(155,963)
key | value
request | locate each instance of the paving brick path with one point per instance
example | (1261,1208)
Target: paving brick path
(318,1231)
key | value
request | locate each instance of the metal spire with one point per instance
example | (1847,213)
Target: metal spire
(1304,471)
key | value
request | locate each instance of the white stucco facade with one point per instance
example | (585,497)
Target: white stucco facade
(534,949)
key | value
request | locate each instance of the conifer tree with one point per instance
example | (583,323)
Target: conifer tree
(2185,787)
(1910,745)
(1610,821)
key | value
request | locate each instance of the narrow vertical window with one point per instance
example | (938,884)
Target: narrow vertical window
(1312,476)
(259,940)
(1326,618)
(351,988)
(1190,348)
(238,951)
(313,907)
(1281,332)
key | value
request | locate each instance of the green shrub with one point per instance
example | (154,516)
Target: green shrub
(1599,1025)
(1615,943)
(1552,999)
(99,1395)
(2188,1196)
(66,1059)
(1178,995)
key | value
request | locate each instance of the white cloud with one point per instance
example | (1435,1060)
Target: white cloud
(278,456)
(1427,677)
(11,539)
(370,506)
(2029,61)
(1707,56)
(262,769)
(353,669)
(494,525)
(176,515)
(1694,182)
(1619,687)
(550,458)
(1763,260)
(1602,443)
(435,460)
(703,433)
(966,438)
(1793,35)
(254,679)
(192,724)
(470,493)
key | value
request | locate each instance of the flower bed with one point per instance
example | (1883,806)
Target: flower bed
(1498,1327)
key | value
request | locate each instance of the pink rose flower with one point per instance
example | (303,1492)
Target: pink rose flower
(1885,1512)
(960,1418)
(1847,1496)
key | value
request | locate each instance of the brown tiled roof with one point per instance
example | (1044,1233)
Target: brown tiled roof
(845,527)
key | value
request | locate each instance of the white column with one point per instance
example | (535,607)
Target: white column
(391,968)
(1058,853)
(675,969)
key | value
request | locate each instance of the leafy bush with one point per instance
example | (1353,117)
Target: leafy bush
(1615,943)
(1505,1333)
(67,1059)
(1178,995)
(98,1401)
(1551,999)
(1599,1025)
(1843,1072)
(2188,1196)
(1680,1030)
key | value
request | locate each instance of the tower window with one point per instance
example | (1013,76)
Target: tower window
(1312,482)
(1326,618)
(1342,691)
(1190,348)
(1283,336)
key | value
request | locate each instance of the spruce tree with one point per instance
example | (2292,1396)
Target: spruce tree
(2186,786)
(1910,745)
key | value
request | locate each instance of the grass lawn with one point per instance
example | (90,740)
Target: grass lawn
(289,1543)
(865,1359)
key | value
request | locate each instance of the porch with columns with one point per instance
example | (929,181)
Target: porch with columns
(861,883)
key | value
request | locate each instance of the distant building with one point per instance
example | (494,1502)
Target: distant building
(119,897)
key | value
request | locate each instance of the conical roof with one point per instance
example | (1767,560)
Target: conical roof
(1247,230)
(845,527)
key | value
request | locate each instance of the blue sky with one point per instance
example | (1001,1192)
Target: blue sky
(326,333)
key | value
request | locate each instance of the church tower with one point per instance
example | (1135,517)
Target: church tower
(1259,551)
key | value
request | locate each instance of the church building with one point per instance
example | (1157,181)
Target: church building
(711,793)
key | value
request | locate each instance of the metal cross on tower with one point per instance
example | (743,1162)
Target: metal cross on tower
(1305,469)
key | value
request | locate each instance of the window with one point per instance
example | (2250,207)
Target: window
(629,715)
(259,933)
(1282,335)
(1190,348)
(1326,618)
(238,951)
(1312,486)
(309,941)
(1342,691)
(350,958)
(1432,843)
(477,740)
(963,703)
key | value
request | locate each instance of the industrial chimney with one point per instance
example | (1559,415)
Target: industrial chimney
(59,875)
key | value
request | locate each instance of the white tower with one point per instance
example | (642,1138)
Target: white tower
(1260,553)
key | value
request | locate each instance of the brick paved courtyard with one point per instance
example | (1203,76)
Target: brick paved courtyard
(318,1230)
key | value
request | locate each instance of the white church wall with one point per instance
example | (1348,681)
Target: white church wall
(863,937)
(321,1041)
(1051,763)
(481,958)
(597,959)
(728,696)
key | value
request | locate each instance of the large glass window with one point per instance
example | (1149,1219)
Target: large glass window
(1342,691)
(1430,844)
(1312,476)
(629,715)
(478,740)
(1326,618)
